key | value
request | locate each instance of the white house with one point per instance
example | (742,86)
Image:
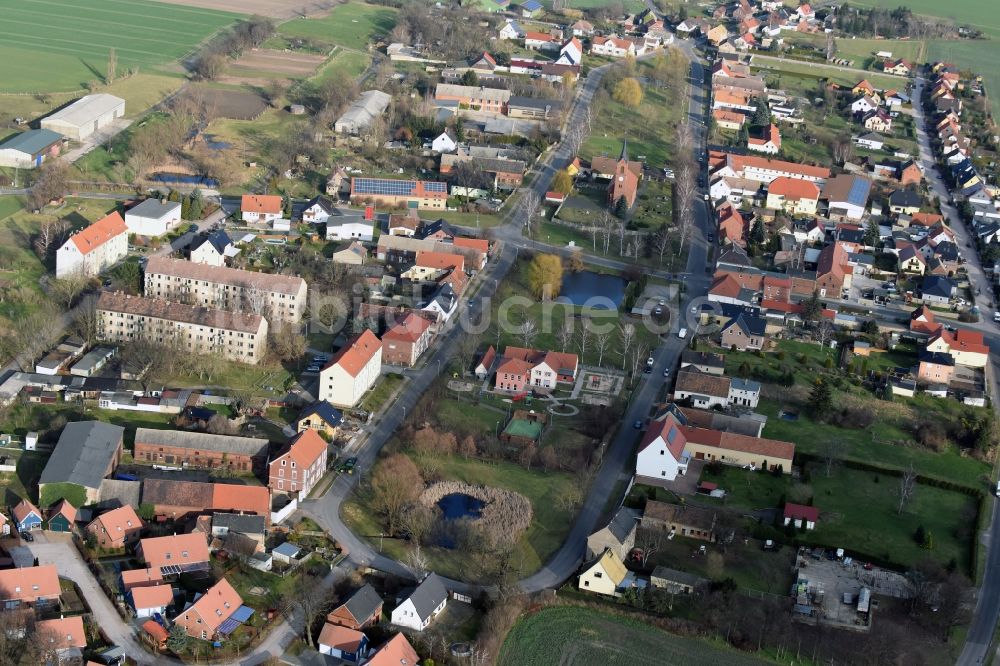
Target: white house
(148,601)
(511,30)
(605,575)
(870,141)
(352,371)
(660,454)
(94,249)
(423,605)
(444,143)
(318,209)
(863,104)
(614,47)
(153,217)
(343,643)
(260,208)
(571,52)
(442,304)
(213,249)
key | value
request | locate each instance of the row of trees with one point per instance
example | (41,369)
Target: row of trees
(251,33)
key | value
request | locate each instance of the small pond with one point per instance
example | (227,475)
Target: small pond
(214,144)
(184,179)
(460,505)
(594,290)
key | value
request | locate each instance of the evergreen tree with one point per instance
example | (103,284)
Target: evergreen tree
(757,234)
(812,307)
(186,208)
(872,233)
(621,207)
(819,399)
(197,205)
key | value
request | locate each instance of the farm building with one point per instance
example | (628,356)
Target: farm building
(85,116)
(29,149)
(359,116)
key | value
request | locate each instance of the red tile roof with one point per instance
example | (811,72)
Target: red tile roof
(773,135)
(140,578)
(411,329)
(152,596)
(156,630)
(23,509)
(440,260)
(342,638)
(661,430)
(832,259)
(725,285)
(250,499)
(488,357)
(480,244)
(801,512)
(99,233)
(61,633)
(176,550)
(29,583)
(305,448)
(397,652)
(118,522)
(356,354)
(215,606)
(772,448)
(793,189)
(261,203)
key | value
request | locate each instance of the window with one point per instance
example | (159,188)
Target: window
(598,574)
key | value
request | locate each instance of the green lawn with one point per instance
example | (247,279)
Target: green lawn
(24,482)
(573,636)
(550,522)
(979,56)
(481,221)
(52,45)
(649,128)
(350,25)
(817,71)
(859,511)
(342,66)
(375,400)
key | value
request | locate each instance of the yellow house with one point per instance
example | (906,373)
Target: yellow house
(717,35)
(322,417)
(420,273)
(735,449)
(605,575)
(798,197)
(911,261)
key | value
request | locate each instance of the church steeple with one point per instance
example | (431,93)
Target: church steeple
(624,155)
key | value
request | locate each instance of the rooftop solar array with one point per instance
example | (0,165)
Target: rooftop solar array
(394,187)
(859,192)
(184,568)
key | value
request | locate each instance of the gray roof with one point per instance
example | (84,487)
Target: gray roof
(245,523)
(83,454)
(153,208)
(741,384)
(288,549)
(115,493)
(250,446)
(360,114)
(86,109)
(363,603)
(428,596)
(534,103)
(675,576)
(623,522)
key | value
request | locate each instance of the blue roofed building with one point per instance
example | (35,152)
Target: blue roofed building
(847,196)
(320,416)
(530,8)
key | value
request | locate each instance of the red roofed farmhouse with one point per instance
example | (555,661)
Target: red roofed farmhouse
(116,528)
(768,143)
(95,249)
(801,515)
(522,368)
(352,371)
(300,466)
(661,452)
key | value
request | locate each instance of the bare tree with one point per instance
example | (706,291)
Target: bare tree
(607,225)
(824,329)
(907,486)
(647,544)
(312,597)
(685,190)
(584,337)
(528,331)
(527,209)
(66,289)
(51,233)
(638,357)
(565,334)
(85,323)
(833,450)
(626,333)
(661,241)
(601,341)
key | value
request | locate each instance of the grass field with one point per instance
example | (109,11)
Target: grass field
(350,25)
(54,45)
(860,509)
(649,128)
(818,70)
(571,636)
(980,56)
(343,66)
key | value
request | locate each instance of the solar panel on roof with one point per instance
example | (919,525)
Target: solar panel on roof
(393,187)
(859,192)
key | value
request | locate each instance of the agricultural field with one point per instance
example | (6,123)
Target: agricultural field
(63,45)
(264,65)
(343,66)
(572,636)
(351,25)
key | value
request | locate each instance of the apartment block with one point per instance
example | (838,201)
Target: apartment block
(193,329)
(276,297)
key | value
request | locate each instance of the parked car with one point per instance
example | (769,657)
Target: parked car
(27,536)
(637,425)
(682,333)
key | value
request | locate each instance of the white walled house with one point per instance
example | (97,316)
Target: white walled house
(212,249)
(443,143)
(660,454)
(352,371)
(343,224)
(423,605)
(260,208)
(94,249)
(153,217)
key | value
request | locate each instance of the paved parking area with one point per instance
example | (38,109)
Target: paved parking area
(57,549)
(834,579)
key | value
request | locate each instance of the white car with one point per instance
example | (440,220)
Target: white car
(683,333)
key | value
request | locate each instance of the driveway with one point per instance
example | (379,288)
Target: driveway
(52,548)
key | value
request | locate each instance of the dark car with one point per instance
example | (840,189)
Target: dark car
(637,425)
(27,536)
(711,238)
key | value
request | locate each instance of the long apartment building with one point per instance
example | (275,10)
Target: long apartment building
(761,169)
(277,297)
(194,329)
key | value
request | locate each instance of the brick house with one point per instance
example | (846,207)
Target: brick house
(521,368)
(362,609)
(744,332)
(300,465)
(683,520)
(406,341)
(116,528)
(200,450)
(204,617)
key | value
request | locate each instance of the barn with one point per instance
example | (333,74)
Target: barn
(29,149)
(85,116)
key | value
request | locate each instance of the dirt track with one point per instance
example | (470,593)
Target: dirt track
(279,9)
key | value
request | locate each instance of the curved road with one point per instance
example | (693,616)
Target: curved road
(618,457)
